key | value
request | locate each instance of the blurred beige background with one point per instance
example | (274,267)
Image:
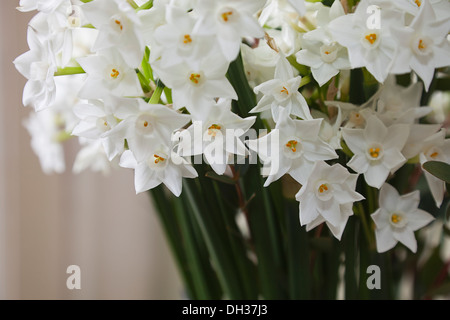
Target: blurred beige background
(50,222)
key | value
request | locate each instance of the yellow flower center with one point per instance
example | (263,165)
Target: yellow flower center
(119,24)
(418,2)
(212,130)
(225,15)
(374,152)
(195,78)
(421,45)
(371,38)
(187,39)
(284,90)
(323,187)
(292,144)
(395,218)
(114,73)
(434,154)
(158,159)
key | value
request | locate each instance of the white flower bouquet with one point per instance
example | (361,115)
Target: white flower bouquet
(255,123)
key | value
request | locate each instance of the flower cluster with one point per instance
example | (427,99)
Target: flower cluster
(149,90)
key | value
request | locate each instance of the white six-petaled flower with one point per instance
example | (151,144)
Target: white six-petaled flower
(328,196)
(377,149)
(292,147)
(397,218)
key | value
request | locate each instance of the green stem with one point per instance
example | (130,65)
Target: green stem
(360,212)
(220,256)
(68,71)
(146,6)
(133,4)
(157,94)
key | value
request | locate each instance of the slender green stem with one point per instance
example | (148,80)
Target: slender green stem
(146,6)
(360,212)
(305,80)
(219,254)
(68,71)
(157,94)
(133,4)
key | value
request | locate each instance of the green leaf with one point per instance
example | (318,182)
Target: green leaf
(440,170)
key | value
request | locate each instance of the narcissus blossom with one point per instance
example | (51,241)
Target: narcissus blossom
(328,196)
(38,65)
(164,166)
(292,147)
(216,136)
(423,45)
(377,149)
(229,21)
(435,148)
(397,218)
(282,91)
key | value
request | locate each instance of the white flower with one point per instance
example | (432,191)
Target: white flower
(92,156)
(292,147)
(370,48)
(259,63)
(376,149)
(216,136)
(196,86)
(328,196)
(397,218)
(97,118)
(44,130)
(412,7)
(423,45)
(320,51)
(58,27)
(330,132)
(118,26)
(46,6)
(396,104)
(108,74)
(435,148)
(163,166)
(282,91)
(145,126)
(229,21)
(417,139)
(177,40)
(38,65)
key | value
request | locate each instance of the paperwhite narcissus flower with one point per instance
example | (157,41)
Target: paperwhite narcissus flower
(196,86)
(326,197)
(46,6)
(216,136)
(178,42)
(423,45)
(282,91)
(92,156)
(97,118)
(397,104)
(118,26)
(229,21)
(259,63)
(145,126)
(417,138)
(412,7)
(320,51)
(44,131)
(397,218)
(435,148)
(38,65)
(370,48)
(163,166)
(376,149)
(292,147)
(108,74)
